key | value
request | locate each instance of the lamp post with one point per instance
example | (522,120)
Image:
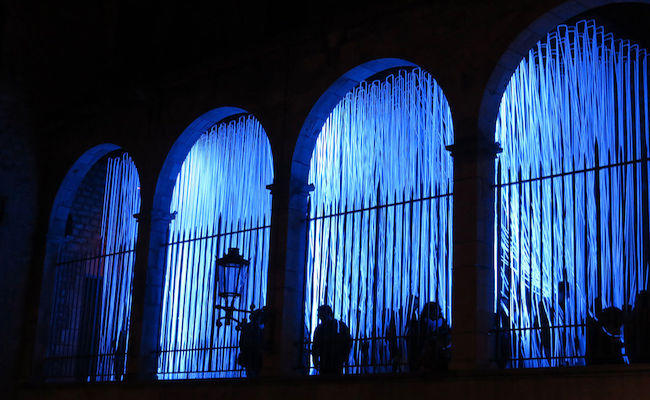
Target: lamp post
(230,282)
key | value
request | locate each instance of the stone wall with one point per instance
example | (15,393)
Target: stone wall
(137,75)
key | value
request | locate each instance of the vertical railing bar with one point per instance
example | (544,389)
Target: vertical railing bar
(395,270)
(369,293)
(358,311)
(176,332)
(622,217)
(190,288)
(420,266)
(574,319)
(209,300)
(344,264)
(587,277)
(598,228)
(564,339)
(530,301)
(95,318)
(610,225)
(332,248)
(375,275)
(386,306)
(541,240)
(520,286)
(205,264)
(325,246)
(553,291)
(352,245)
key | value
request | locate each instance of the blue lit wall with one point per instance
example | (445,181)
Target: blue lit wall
(383,143)
(220,189)
(577,102)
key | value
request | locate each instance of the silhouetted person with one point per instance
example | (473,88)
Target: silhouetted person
(413,335)
(429,340)
(118,357)
(393,345)
(251,344)
(637,330)
(604,345)
(545,331)
(504,346)
(365,356)
(332,343)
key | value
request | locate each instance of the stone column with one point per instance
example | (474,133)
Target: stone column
(286,286)
(147,295)
(473,269)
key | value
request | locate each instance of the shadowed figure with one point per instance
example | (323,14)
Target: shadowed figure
(119,355)
(250,344)
(332,343)
(393,344)
(428,340)
(604,345)
(504,345)
(637,330)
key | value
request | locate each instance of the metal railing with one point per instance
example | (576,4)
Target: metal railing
(572,257)
(192,346)
(88,332)
(376,263)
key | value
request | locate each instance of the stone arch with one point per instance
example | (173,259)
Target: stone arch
(59,230)
(518,49)
(299,185)
(160,220)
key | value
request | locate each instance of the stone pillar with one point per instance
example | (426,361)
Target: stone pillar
(147,296)
(137,294)
(286,287)
(473,269)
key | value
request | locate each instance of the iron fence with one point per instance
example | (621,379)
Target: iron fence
(88,334)
(376,263)
(192,346)
(572,261)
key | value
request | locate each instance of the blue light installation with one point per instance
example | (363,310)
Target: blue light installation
(572,221)
(119,234)
(93,283)
(220,200)
(380,214)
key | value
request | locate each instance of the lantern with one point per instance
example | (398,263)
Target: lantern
(230,282)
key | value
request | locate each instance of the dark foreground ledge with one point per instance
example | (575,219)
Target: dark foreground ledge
(596,382)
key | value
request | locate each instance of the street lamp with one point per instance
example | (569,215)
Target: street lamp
(230,282)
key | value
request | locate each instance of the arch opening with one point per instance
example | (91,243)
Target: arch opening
(571,251)
(219,201)
(379,247)
(89,271)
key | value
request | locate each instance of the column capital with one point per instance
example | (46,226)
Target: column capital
(476,147)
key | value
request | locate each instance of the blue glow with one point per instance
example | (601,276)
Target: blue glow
(383,143)
(91,307)
(220,189)
(577,90)
(119,235)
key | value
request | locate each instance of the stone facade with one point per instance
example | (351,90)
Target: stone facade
(137,75)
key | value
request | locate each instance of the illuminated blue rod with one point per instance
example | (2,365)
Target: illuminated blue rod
(119,232)
(383,143)
(220,189)
(578,101)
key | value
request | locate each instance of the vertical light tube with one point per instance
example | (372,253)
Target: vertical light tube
(220,191)
(571,119)
(377,160)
